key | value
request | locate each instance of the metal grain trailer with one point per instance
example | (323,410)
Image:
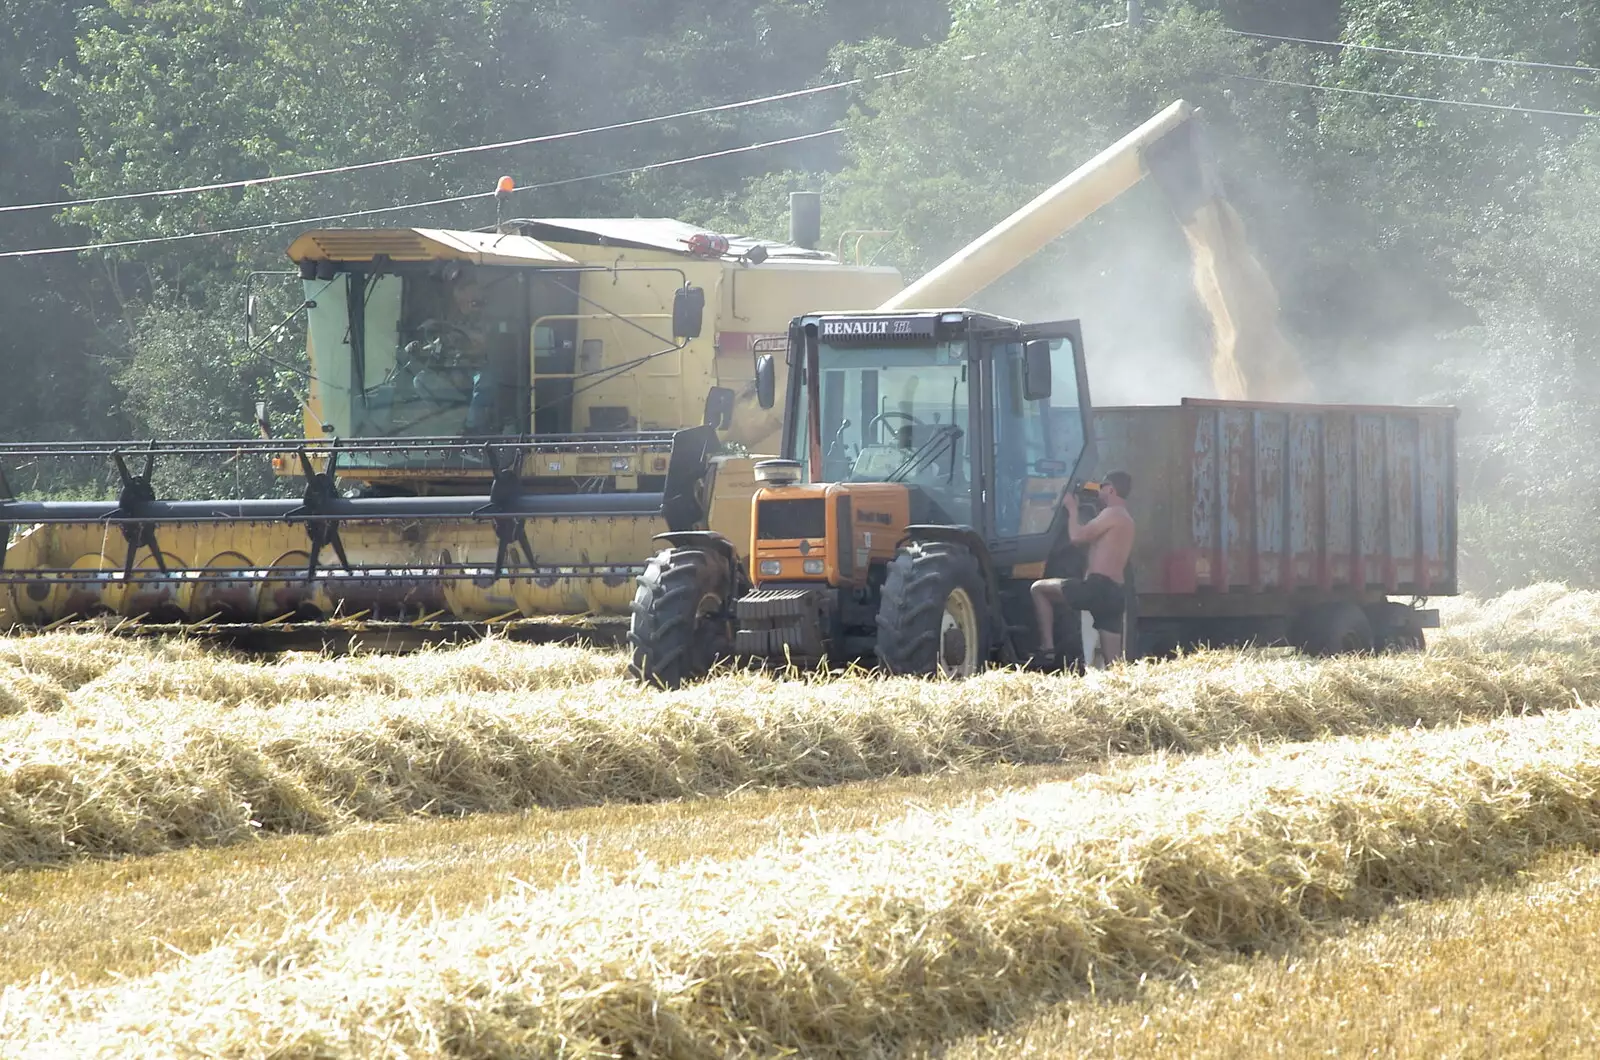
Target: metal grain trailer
(1286,523)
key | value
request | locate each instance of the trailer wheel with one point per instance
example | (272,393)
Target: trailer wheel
(682,617)
(1336,629)
(1408,638)
(933,617)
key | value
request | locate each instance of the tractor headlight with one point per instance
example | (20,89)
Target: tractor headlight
(771,568)
(812,566)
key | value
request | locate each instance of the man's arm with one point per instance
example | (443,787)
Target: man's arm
(1082,533)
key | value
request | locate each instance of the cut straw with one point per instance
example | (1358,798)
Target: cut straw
(863,943)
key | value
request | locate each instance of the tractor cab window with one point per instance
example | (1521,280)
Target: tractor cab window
(896,413)
(1037,443)
(425,352)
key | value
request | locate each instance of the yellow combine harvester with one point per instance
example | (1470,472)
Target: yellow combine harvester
(565,355)
(498,423)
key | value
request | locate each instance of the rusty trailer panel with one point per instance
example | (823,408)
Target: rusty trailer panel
(1253,499)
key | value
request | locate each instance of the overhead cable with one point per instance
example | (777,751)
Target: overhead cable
(1421,99)
(1422,54)
(249,182)
(268,225)
(448,152)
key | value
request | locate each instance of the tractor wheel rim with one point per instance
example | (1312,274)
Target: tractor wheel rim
(958,636)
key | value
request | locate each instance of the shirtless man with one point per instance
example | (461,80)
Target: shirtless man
(1109,536)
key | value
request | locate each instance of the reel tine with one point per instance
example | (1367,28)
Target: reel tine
(522,539)
(338,546)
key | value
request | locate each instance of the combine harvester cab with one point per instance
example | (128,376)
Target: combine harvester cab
(496,424)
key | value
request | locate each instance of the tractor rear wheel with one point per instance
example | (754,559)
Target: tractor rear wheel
(682,621)
(933,618)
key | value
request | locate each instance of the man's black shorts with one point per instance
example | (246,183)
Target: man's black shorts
(1098,595)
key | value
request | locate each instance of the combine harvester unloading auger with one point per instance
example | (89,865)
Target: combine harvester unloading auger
(496,424)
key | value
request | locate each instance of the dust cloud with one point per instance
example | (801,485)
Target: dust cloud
(1172,307)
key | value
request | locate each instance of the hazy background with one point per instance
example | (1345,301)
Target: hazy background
(1423,251)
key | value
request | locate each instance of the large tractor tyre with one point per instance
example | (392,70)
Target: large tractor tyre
(933,618)
(1335,629)
(682,621)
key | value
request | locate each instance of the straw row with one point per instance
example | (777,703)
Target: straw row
(135,778)
(852,943)
(91,671)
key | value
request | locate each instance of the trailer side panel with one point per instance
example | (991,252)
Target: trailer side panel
(1248,508)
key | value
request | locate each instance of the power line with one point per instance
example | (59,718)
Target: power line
(1421,99)
(456,151)
(448,152)
(1423,54)
(265,226)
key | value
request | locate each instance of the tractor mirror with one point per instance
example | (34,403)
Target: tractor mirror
(719,408)
(688,311)
(1035,369)
(766,381)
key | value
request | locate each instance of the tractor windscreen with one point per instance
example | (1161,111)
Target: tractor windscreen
(896,413)
(426,352)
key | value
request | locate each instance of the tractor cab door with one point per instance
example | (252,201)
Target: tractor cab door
(1041,446)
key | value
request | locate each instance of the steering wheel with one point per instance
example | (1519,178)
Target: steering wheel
(891,412)
(438,324)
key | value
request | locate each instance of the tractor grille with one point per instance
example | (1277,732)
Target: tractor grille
(792,519)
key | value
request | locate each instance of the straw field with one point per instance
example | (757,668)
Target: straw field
(916,931)
(1508,971)
(119,749)
(556,862)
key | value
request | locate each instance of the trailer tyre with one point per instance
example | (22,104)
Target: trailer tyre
(933,619)
(1408,638)
(1336,629)
(682,622)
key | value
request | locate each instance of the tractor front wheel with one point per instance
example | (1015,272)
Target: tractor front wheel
(682,621)
(933,618)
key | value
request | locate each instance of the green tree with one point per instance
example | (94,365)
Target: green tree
(55,310)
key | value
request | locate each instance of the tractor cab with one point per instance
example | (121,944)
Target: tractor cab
(981,420)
